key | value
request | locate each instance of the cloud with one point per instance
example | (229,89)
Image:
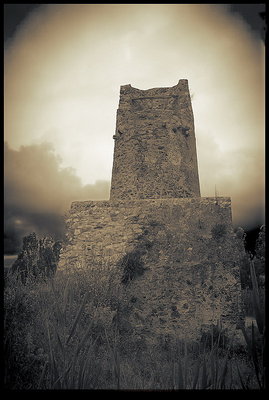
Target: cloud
(64,67)
(236,174)
(67,62)
(37,191)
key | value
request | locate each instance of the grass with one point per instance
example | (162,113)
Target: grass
(63,333)
(256,340)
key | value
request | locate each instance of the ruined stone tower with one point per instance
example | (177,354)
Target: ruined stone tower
(175,253)
(155,150)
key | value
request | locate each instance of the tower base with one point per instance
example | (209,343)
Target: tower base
(176,260)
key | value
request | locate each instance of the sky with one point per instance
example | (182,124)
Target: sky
(63,68)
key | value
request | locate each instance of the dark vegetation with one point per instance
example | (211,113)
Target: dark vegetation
(218,231)
(255,253)
(64,332)
(132,264)
(38,258)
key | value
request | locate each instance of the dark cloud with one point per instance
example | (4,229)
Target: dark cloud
(15,16)
(253,15)
(37,193)
(238,174)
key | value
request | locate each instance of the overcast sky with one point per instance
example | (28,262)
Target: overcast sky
(64,66)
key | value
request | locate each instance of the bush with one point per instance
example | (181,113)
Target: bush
(133,266)
(22,352)
(72,332)
(218,231)
(38,258)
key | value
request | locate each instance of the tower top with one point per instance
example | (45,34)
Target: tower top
(155,150)
(182,84)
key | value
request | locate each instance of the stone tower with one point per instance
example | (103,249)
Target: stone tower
(155,149)
(175,253)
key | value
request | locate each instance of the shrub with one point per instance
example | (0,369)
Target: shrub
(64,334)
(24,357)
(38,258)
(72,332)
(255,341)
(218,231)
(133,266)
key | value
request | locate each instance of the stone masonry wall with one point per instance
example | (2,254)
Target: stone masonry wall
(177,260)
(155,148)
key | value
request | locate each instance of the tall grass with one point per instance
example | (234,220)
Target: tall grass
(64,333)
(255,339)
